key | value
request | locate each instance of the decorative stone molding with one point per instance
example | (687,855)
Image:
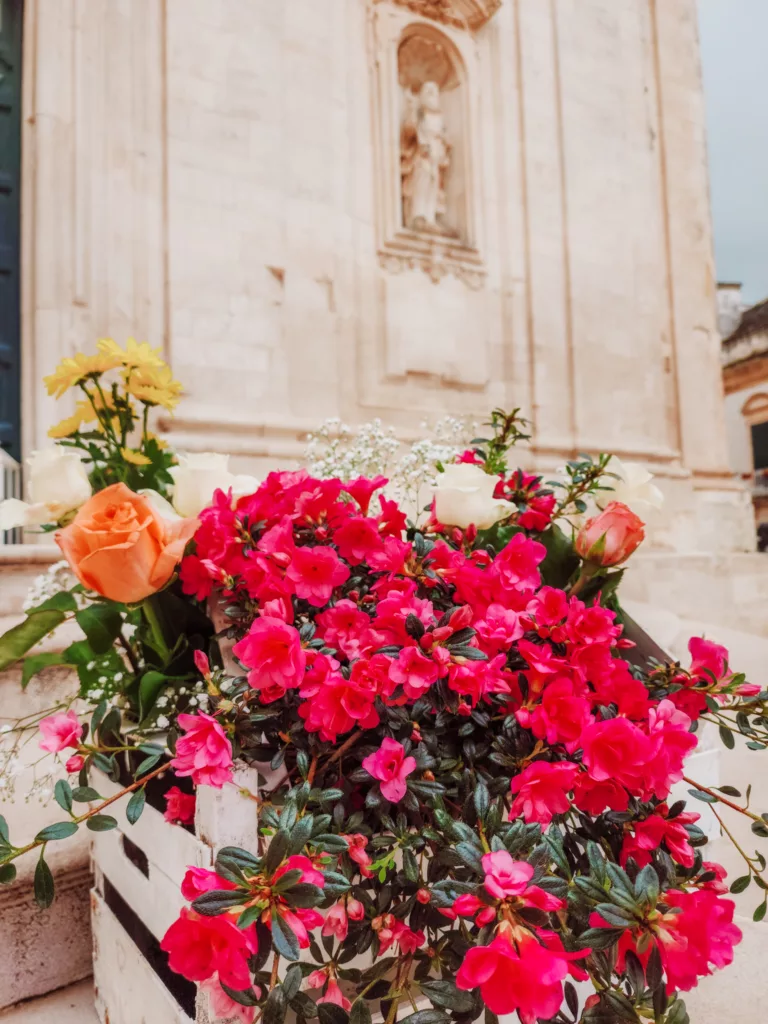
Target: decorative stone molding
(436,263)
(469,14)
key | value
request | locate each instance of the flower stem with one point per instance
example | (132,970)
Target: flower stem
(723,800)
(89,814)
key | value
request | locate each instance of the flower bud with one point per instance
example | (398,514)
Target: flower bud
(423,896)
(610,537)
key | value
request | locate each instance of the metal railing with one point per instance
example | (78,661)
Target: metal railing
(11,486)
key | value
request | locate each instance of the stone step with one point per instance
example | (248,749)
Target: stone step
(70,1005)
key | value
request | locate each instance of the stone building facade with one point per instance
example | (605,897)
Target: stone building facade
(235,182)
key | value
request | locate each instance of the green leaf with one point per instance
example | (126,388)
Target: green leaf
(45,888)
(292,981)
(304,895)
(360,1014)
(740,884)
(7,873)
(426,1017)
(216,901)
(275,1007)
(64,601)
(707,798)
(600,938)
(62,793)
(283,938)
(151,686)
(4,834)
(60,830)
(617,916)
(726,737)
(135,806)
(276,852)
(101,623)
(17,641)
(147,765)
(330,843)
(101,823)
(482,799)
(678,1014)
(37,662)
(336,884)
(300,834)
(445,993)
(561,561)
(330,1013)
(246,997)
(759,914)
(647,885)
(85,795)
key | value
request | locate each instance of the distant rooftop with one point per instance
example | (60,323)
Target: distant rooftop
(749,337)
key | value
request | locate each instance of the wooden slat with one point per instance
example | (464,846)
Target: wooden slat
(127,989)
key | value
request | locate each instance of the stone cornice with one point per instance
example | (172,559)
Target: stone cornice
(470,14)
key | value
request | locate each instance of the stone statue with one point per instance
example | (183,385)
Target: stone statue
(425,157)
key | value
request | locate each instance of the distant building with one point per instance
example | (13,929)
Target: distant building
(745,379)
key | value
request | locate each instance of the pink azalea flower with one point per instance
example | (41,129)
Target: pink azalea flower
(362,489)
(315,572)
(180,807)
(336,922)
(357,853)
(204,752)
(542,790)
(60,731)
(225,1008)
(527,978)
(709,661)
(199,880)
(272,651)
(298,862)
(334,995)
(355,910)
(702,933)
(413,672)
(200,947)
(202,664)
(505,877)
(75,763)
(391,767)
(358,539)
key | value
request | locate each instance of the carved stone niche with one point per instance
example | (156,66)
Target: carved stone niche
(426,148)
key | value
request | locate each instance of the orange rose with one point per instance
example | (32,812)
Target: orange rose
(119,546)
(610,537)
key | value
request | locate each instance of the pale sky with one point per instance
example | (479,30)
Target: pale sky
(734,34)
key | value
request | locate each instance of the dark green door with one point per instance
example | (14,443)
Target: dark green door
(10,173)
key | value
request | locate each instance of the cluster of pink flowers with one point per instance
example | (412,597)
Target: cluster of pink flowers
(353,618)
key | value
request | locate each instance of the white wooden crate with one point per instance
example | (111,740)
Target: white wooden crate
(138,870)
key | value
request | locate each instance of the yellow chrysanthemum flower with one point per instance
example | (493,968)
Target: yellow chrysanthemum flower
(73,369)
(154,386)
(137,354)
(67,426)
(134,457)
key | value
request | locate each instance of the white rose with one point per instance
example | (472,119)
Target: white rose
(198,475)
(464,495)
(633,487)
(57,483)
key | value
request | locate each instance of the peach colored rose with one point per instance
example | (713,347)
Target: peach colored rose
(119,546)
(610,537)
